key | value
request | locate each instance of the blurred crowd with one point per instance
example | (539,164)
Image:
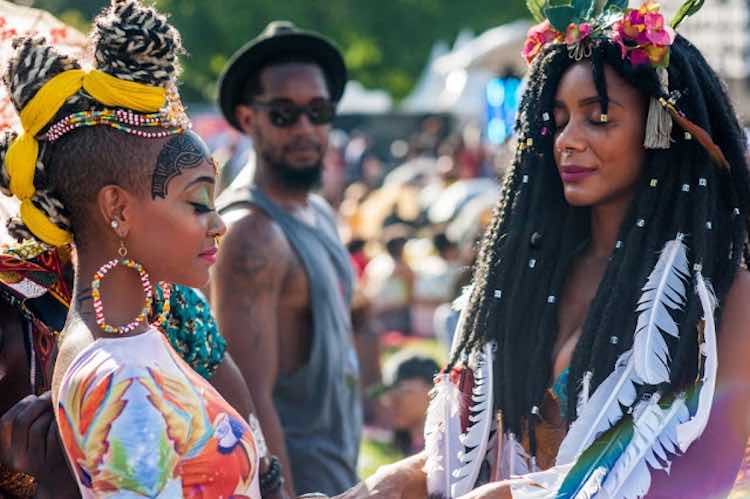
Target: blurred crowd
(411,213)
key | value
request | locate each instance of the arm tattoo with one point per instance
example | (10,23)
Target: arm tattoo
(179,153)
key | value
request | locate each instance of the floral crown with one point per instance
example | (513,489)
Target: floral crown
(642,34)
(644,39)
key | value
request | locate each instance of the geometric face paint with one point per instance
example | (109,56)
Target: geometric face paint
(181,152)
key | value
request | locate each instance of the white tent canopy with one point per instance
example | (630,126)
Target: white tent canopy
(430,84)
(492,51)
(358,99)
(460,92)
(456,81)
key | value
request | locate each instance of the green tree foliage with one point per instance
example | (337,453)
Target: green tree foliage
(385,42)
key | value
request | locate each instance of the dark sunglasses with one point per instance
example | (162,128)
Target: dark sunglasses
(283,113)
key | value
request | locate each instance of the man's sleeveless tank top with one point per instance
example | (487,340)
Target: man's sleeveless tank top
(319,404)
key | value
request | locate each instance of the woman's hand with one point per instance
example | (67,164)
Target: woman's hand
(402,480)
(494,490)
(29,443)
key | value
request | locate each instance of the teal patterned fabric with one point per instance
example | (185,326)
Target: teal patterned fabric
(192,330)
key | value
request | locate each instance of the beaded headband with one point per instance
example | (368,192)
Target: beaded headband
(171,120)
(120,119)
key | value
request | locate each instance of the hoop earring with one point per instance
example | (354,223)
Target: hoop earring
(97,297)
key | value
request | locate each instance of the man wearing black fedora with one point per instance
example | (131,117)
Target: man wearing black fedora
(282,286)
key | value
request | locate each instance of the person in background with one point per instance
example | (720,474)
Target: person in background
(405,396)
(283,284)
(389,283)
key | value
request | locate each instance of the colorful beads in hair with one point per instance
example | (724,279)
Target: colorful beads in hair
(120,119)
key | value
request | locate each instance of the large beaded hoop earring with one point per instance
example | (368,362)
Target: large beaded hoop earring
(97,297)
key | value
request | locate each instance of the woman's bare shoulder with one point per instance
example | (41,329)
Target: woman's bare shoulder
(736,305)
(734,330)
(75,337)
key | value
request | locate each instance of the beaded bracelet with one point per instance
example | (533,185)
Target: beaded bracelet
(272,480)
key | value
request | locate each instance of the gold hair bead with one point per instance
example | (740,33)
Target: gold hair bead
(603,118)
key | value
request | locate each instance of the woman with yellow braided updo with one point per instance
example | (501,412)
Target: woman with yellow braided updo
(106,161)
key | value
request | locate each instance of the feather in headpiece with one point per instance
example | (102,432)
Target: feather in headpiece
(702,136)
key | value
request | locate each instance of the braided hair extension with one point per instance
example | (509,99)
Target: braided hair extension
(535,235)
(136,43)
(131,42)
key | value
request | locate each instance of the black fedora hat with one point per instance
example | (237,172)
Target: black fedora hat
(280,39)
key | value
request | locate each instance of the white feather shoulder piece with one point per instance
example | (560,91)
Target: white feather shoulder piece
(654,443)
(602,410)
(687,433)
(475,440)
(664,292)
(514,460)
(442,435)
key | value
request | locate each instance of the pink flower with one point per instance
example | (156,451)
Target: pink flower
(656,31)
(638,56)
(537,37)
(576,33)
(633,26)
(643,36)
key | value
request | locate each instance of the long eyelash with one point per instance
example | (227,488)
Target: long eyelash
(201,208)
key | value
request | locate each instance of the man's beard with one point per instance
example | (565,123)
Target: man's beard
(304,178)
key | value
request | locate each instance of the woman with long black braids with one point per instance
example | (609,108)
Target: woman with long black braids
(605,341)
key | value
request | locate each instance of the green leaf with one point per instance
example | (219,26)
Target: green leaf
(536,7)
(584,9)
(560,16)
(616,5)
(688,8)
